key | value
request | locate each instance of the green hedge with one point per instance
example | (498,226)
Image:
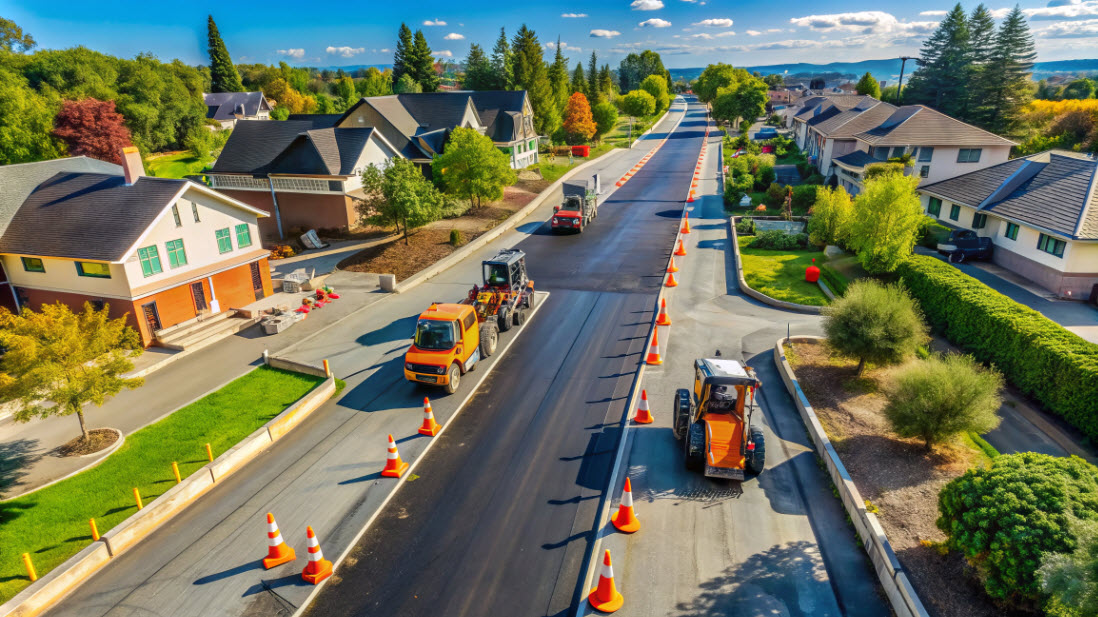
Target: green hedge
(834,279)
(1037,355)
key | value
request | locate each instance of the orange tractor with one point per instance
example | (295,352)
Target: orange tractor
(715,420)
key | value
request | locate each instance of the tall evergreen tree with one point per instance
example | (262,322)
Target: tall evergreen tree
(579,83)
(868,85)
(423,63)
(558,78)
(478,70)
(1011,63)
(981,27)
(531,74)
(945,65)
(606,82)
(592,75)
(404,52)
(223,75)
(503,63)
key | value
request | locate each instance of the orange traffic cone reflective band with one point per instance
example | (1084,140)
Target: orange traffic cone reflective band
(394,467)
(644,416)
(685,222)
(430,427)
(671,267)
(654,350)
(278,552)
(625,519)
(662,319)
(690,199)
(681,251)
(671,282)
(605,597)
(318,567)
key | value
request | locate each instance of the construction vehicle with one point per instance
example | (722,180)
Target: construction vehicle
(507,295)
(578,208)
(714,421)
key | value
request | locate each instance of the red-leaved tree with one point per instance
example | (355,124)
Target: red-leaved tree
(579,126)
(92,128)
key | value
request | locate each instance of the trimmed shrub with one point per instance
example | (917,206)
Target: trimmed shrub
(455,238)
(834,279)
(1037,355)
(816,179)
(1003,518)
(804,196)
(931,232)
(746,226)
(777,240)
(874,323)
(765,176)
(805,169)
(775,195)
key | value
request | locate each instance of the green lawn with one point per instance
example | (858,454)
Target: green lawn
(52,524)
(552,172)
(780,274)
(177,165)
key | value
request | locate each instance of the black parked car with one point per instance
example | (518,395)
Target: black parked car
(964,244)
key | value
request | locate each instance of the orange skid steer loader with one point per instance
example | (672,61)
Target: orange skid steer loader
(714,421)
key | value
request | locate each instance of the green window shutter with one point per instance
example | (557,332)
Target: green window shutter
(224,240)
(934,207)
(243,236)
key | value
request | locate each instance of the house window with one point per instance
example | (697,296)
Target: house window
(1011,231)
(925,154)
(1051,245)
(243,236)
(224,240)
(954,212)
(532,144)
(898,151)
(934,207)
(150,261)
(175,215)
(33,264)
(924,171)
(979,221)
(177,255)
(94,270)
(879,152)
(968,155)
(194,210)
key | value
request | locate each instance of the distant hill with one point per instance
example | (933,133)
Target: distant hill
(886,70)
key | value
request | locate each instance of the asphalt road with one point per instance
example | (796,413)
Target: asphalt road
(500,519)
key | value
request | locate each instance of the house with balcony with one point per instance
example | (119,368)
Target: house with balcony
(1041,212)
(812,107)
(228,107)
(306,171)
(167,254)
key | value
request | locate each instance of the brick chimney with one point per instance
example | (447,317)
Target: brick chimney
(131,164)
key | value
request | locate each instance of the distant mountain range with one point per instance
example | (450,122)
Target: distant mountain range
(887,70)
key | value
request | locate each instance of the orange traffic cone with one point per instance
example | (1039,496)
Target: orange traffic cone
(671,267)
(318,567)
(662,319)
(643,415)
(430,427)
(685,222)
(278,552)
(625,519)
(690,199)
(671,282)
(654,350)
(681,251)
(605,597)
(394,467)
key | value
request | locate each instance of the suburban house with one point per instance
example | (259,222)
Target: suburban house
(779,97)
(306,171)
(1041,212)
(228,107)
(164,252)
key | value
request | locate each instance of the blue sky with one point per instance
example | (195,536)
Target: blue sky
(687,33)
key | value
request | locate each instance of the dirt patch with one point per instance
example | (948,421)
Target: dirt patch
(896,475)
(98,439)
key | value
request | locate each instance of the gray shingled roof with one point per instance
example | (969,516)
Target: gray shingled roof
(322,152)
(857,158)
(87,216)
(855,120)
(17,181)
(255,144)
(223,105)
(436,110)
(917,125)
(1052,190)
(501,112)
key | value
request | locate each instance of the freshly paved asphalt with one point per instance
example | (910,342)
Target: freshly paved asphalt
(500,519)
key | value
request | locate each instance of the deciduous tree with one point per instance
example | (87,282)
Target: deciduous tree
(605,115)
(874,323)
(399,195)
(887,216)
(831,216)
(472,167)
(639,103)
(656,85)
(223,75)
(26,122)
(579,125)
(92,128)
(58,361)
(12,37)
(293,101)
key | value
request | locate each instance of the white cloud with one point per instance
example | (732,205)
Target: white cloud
(708,37)
(753,32)
(293,53)
(573,15)
(563,45)
(647,5)
(1084,9)
(715,23)
(863,22)
(604,34)
(654,23)
(1086,28)
(443,53)
(346,52)
(933,13)
(434,22)
(454,36)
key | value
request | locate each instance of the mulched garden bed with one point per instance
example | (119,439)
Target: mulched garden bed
(98,439)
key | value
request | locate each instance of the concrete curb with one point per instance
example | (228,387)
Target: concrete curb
(57,583)
(901,595)
(761,297)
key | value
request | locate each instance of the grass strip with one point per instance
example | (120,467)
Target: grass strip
(780,274)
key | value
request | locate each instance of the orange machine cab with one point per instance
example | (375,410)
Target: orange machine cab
(446,345)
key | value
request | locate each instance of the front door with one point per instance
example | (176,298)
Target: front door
(199,294)
(257,281)
(152,317)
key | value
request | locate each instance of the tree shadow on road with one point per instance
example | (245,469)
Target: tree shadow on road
(16,457)
(787,579)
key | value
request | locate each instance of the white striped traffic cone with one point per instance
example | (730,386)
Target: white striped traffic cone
(394,467)
(643,415)
(605,597)
(430,427)
(625,519)
(318,567)
(278,552)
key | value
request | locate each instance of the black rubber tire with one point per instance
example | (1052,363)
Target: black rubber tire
(503,318)
(694,450)
(520,316)
(956,257)
(681,411)
(489,339)
(756,459)
(455,379)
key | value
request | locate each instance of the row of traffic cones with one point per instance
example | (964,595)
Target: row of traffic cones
(637,167)
(278,552)
(394,466)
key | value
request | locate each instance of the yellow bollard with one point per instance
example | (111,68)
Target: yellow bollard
(209,453)
(137,498)
(327,369)
(30,567)
(95,530)
(175,472)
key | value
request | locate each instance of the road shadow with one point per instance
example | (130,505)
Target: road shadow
(779,482)
(224,574)
(398,330)
(784,579)
(596,459)
(16,458)
(667,477)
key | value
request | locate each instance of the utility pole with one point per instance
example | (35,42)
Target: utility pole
(900,87)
